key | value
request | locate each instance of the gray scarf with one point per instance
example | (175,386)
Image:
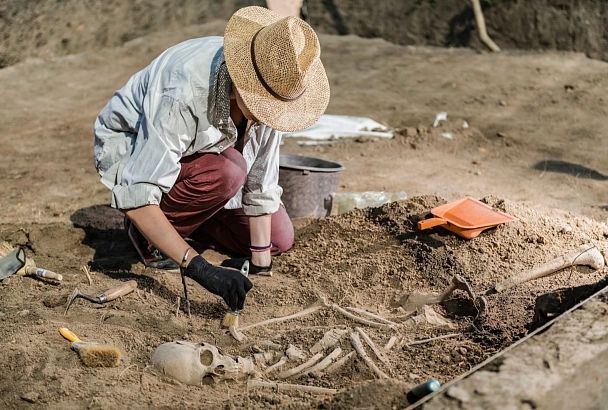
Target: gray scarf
(219,101)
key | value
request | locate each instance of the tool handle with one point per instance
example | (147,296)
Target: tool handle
(68,334)
(43,273)
(118,291)
(431,223)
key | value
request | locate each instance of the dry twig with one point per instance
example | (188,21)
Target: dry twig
(481,27)
(85,269)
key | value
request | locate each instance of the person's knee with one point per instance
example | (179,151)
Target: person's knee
(233,175)
(282,235)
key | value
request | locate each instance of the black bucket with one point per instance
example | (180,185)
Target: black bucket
(307,184)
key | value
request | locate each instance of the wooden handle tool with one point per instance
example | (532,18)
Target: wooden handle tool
(118,291)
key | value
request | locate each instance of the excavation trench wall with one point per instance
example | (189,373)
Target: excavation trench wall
(42,28)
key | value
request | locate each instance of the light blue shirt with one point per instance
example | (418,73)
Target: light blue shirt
(161,115)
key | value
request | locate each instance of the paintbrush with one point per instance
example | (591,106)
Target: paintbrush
(231,319)
(92,354)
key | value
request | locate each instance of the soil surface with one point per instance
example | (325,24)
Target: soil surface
(533,149)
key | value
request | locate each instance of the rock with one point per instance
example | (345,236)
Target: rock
(30,397)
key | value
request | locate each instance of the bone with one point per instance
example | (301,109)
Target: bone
(319,304)
(356,342)
(271,345)
(391,342)
(372,346)
(295,353)
(276,366)
(329,340)
(358,319)
(323,364)
(415,300)
(253,384)
(295,370)
(339,363)
(587,255)
(432,339)
(262,358)
(371,315)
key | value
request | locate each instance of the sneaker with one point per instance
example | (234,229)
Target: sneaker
(148,254)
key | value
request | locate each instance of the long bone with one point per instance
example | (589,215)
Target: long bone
(585,255)
(415,300)
(319,304)
(252,384)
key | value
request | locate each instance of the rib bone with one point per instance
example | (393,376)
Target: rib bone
(330,339)
(356,342)
(295,370)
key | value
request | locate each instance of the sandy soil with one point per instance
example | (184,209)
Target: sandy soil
(547,167)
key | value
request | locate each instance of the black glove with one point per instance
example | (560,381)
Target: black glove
(237,263)
(231,285)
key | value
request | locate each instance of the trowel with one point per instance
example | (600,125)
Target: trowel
(11,263)
(15,263)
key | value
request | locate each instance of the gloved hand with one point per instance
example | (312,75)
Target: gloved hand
(237,263)
(231,285)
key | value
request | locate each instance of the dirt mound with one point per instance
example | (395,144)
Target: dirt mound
(367,259)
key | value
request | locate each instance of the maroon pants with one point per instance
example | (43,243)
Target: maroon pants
(195,205)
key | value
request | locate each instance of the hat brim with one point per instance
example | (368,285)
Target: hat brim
(281,115)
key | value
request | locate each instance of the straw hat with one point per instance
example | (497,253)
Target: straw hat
(274,63)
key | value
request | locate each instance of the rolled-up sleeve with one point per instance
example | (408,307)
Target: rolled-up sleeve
(262,193)
(153,167)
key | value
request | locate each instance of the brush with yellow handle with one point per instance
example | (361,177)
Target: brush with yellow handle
(231,319)
(92,354)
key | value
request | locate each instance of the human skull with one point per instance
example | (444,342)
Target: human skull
(196,364)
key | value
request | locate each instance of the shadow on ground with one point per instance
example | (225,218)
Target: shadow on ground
(570,168)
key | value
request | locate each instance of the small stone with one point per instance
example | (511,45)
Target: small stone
(24,312)
(459,394)
(30,397)
(411,132)
(500,134)
(477,173)
(502,103)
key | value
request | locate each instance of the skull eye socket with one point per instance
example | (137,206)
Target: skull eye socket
(206,357)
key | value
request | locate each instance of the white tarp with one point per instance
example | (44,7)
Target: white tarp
(342,126)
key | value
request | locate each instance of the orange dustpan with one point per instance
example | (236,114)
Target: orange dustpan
(466,217)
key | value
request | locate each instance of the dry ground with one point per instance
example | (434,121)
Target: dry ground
(549,109)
